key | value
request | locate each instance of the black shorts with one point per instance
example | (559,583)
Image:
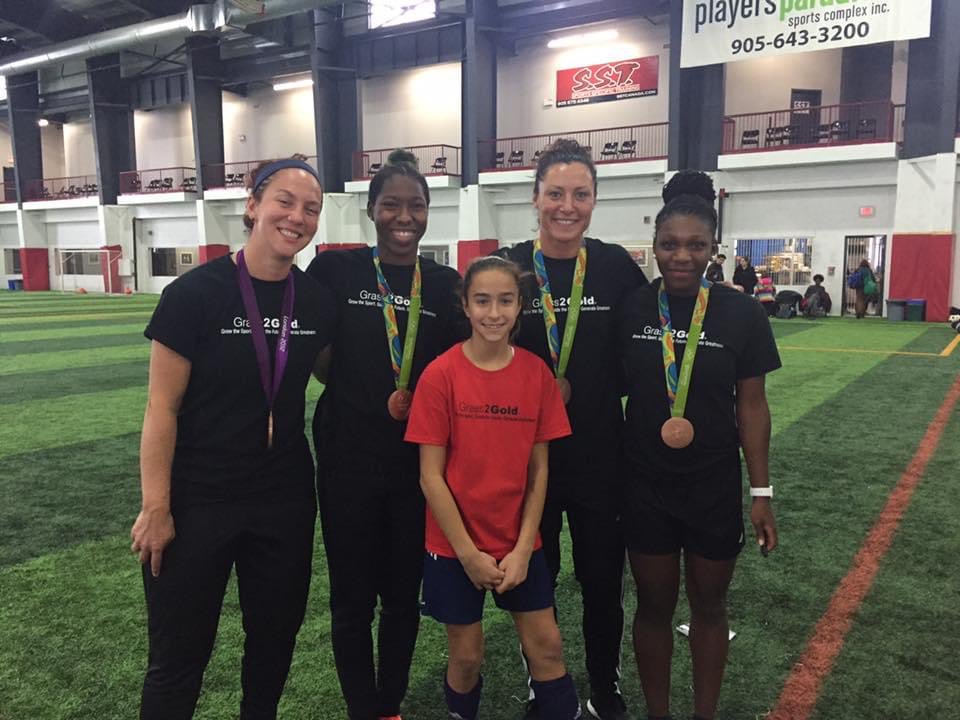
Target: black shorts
(701,514)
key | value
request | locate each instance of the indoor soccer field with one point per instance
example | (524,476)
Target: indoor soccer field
(854,617)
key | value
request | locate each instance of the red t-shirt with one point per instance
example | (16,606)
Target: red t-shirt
(489,421)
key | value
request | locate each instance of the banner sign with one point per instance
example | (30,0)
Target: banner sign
(721,31)
(618,80)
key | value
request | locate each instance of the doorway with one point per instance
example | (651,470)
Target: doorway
(804,115)
(873,249)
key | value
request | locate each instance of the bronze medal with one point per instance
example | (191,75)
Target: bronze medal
(399,404)
(270,430)
(565,391)
(677,432)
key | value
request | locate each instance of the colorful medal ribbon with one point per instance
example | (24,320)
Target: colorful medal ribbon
(271,386)
(401,369)
(678,384)
(560,354)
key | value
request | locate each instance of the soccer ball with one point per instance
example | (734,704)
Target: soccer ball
(954,321)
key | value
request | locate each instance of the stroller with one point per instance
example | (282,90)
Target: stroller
(787,302)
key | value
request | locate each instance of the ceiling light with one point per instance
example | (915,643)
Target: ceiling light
(43,122)
(293,84)
(591,38)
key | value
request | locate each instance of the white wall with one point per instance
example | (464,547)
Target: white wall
(6,148)
(412,107)
(164,137)
(272,124)
(51,146)
(78,152)
(526,80)
(898,87)
(764,84)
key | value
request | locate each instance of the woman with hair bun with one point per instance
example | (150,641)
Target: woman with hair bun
(578,283)
(398,311)
(226,471)
(682,481)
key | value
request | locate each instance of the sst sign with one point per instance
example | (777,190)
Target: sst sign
(618,80)
(720,31)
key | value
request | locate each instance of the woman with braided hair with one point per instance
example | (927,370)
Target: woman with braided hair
(695,355)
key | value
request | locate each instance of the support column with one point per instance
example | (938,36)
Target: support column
(933,85)
(335,101)
(213,236)
(34,255)
(206,106)
(112,117)
(23,107)
(478,90)
(696,107)
(476,225)
(116,229)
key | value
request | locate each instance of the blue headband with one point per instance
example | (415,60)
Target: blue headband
(277,166)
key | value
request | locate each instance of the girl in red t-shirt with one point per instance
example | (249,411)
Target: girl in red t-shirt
(483,413)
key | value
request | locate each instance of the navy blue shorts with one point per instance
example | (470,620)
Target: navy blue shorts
(450,597)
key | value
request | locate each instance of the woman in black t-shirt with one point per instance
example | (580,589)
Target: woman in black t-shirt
(583,468)
(368,478)
(682,490)
(225,467)
(745,275)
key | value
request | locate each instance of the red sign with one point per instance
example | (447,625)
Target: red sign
(618,80)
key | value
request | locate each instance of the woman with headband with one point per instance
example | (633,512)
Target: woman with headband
(226,471)
(398,311)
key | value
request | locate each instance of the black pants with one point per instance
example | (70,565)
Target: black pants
(271,546)
(373,525)
(598,560)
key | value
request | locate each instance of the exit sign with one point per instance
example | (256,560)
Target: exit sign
(868,211)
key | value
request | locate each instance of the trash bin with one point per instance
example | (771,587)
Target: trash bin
(916,310)
(896,310)
(14,284)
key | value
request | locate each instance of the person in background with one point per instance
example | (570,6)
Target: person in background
(816,300)
(708,349)
(715,268)
(766,293)
(483,415)
(577,284)
(745,275)
(398,312)
(225,468)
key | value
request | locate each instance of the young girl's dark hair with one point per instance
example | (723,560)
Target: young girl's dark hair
(250,178)
(399,162)
(564,150)
(689,192)
(493,262)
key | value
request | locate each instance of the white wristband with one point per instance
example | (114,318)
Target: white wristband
(766,492)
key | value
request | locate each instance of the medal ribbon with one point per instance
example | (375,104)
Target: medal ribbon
(678,384)
(401,369)
(271,386)
(560,353)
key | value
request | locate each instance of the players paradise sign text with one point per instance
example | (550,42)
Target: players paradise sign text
(720,31)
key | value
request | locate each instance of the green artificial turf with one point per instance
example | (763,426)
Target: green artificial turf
(72,628)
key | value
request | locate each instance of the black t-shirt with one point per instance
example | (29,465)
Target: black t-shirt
(352,415)
(595,411)
(736,343)
(221,451)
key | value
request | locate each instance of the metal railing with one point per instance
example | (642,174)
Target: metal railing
(158,180)
(233,174)
(9,193)
(616,144)
(62,188)
(431,159)
(843,124)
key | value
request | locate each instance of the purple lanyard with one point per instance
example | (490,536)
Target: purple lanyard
(270,389)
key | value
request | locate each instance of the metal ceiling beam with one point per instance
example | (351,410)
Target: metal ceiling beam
(45,18)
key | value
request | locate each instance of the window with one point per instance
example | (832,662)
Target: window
(440,256)
(384,13)
(163,262)
(785,260)
(11,262)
